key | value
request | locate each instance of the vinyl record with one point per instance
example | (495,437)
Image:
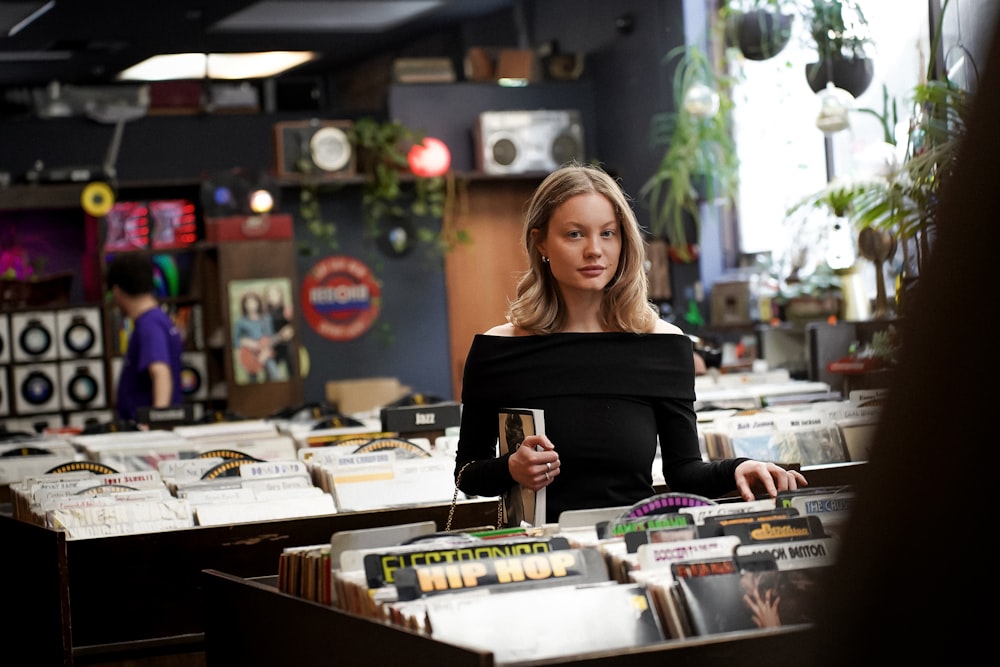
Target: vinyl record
(88,466)
(97,199)
(665,503)
(26,451)
(190,380)
(37,388)
(227,454)
(403,448)
(228,468)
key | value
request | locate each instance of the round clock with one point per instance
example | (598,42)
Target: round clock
(330,148)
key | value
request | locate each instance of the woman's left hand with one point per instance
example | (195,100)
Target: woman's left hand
(769,476)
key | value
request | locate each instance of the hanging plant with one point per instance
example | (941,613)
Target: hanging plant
(391,191)
(700,163)
(760,29)
(843,43)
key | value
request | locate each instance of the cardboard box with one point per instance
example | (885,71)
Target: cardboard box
(364,394)
(248,227)
(409,419)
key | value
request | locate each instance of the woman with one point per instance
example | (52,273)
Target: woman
(583,343)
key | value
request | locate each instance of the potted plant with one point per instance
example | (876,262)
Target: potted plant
(760,29)
(392,192)
(843,42)
(391,195)
(700,162)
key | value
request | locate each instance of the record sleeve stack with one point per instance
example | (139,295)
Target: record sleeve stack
(673,566)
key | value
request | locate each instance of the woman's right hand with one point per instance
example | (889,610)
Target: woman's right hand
(535,463)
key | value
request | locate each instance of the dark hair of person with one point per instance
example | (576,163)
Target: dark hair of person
(132,273)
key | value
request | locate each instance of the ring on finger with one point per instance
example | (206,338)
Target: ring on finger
(547,476)
(548,466)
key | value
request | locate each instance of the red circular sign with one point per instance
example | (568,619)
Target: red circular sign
(340,298)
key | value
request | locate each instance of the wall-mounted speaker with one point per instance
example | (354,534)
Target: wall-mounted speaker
(33,336)
(4,392)
(82,384)
(4,338)
(313,148)
(36,388)
(194,376)
(80,333)
(518,142)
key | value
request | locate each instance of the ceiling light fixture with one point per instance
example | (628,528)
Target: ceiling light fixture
(223,66)
(27,20)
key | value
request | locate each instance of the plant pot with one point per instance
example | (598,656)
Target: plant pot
(759,34)
(851,74)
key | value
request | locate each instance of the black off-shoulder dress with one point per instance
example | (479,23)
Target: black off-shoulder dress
(607,397)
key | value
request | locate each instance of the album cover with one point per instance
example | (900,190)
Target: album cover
(521,504)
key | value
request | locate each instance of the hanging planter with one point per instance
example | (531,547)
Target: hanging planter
(759,34)
(851,74)
(843,46)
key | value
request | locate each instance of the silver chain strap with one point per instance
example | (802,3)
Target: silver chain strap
(454,501)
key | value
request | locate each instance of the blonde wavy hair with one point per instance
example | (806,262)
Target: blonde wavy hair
(538,306)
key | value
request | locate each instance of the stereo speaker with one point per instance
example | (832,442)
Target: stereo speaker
(4,392)
(79,333)
(82,384)
(313,148)
(36,388)
(4,338)
(33,336)
(518,142)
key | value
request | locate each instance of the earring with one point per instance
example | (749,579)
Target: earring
(545,259)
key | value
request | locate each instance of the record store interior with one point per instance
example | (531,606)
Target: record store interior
(360,172)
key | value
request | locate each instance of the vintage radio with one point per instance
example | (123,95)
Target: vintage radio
(517,142)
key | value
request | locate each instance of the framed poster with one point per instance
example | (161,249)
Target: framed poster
(261,312)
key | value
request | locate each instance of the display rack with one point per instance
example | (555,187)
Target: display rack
(137,597)
(299,632)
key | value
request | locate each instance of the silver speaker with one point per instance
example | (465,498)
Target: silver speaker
(518,142)
(79,333)
(33,336)
(36,388)
(4,338)
(82,384)
(4,392)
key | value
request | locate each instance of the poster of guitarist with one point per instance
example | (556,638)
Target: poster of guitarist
(255,335)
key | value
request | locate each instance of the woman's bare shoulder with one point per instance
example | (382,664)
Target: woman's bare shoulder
(505,329)
(664,327)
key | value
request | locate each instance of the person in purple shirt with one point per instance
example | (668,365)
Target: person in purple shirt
(151,368)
